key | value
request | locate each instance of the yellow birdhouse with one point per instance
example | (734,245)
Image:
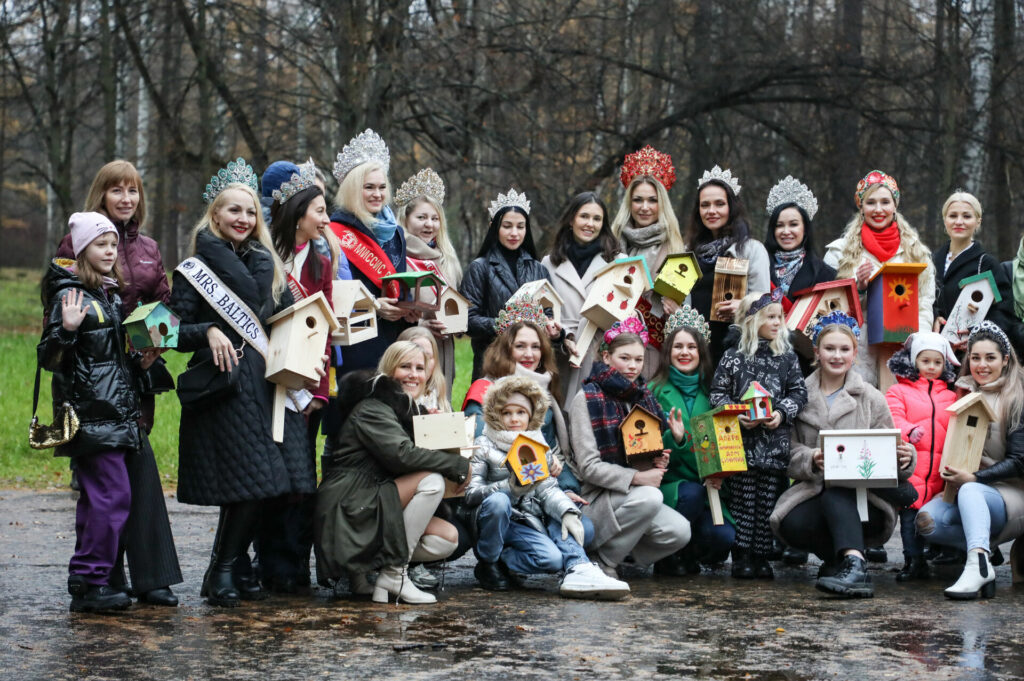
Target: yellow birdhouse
(356,312)
(641,434)
(298,337)
(613,296)
(718,447)
(965,437)
(452,311)
(730,281)
(542,292)
(527,460)
(678,276)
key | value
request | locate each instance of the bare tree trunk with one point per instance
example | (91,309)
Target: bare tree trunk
(1004,60)
(983,18)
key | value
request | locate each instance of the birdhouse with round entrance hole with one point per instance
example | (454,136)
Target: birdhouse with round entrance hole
(977,295)
(758,401)
(641,434)
(677,276)
(718,447)
(730,282)
(613,296)
(527,460)
(152,326)
(893,302)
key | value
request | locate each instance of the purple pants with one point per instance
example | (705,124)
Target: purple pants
(102,512)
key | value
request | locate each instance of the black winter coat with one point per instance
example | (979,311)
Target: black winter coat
(90,368)
(226,451)
(488,284)
(813,271)
(972,260)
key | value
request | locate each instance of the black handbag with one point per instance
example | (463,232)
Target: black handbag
(60,432)
(204,383)
(156,379)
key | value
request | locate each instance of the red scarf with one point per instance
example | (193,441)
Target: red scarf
(884,244)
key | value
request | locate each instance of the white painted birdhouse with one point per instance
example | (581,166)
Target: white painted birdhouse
(977,295)
(452,311)
(356,312)
(860,459)
(542,292)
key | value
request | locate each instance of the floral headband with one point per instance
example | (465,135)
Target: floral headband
(1001,339)
(873,178)
(764,301)
(832,318)
(687,316)
(521,309)
(628,325)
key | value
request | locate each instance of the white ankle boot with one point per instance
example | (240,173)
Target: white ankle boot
(978,578)
(394,581)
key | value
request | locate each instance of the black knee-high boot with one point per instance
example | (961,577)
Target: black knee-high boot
(234,533)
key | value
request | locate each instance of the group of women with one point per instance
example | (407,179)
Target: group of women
(386,510)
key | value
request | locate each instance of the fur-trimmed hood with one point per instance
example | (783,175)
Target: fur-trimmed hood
(497,396)
(901,367)
(356,386)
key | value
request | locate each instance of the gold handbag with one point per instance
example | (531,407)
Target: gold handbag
(61,431)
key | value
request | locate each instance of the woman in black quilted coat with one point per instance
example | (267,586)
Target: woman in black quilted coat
(227,455)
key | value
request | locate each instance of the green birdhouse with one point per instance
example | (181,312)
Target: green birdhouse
(152,326)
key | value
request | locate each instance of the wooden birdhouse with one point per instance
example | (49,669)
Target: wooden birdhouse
(860,459)
(730,282)
(965,437)
(356,312)
(718,446)
(810,304)
(641,434)
(447,432)
(677,276)
(613,296)
(527,460)
(410,286)
(543,293)
(452,310)
(152,326)
(892,302)
(977,295)
(758,402)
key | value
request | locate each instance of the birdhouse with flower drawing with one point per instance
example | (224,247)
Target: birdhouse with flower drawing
(730,282)
(677,276)
(452,310)
(641,434)
(411,293)
(893,302)
(965,437)
(977,295)
(613,296)
(543,293)
(356,312)
(718,446)
(860,459)
(811,304)
(527,460)
(758,401)
(152,326)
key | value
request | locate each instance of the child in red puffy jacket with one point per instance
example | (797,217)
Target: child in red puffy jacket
(923,369)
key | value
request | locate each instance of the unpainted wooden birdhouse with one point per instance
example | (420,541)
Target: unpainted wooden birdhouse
(893,302)
(152,326)
(543,293)
(613,296)
(527,460)
(298,336)
(356,312)
(965,437)
(452,311)
(977,295)
(677,276)
(730,281)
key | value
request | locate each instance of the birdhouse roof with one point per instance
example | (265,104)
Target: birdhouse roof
(526,440)
(850,286)
(732,266)
(451,291)
(983,276)
(638,410)
(142,311)
(969,400)
(755,390)
(634,260)
(727,410)
(532,288)
(914,268)
(318,302)
(411,279)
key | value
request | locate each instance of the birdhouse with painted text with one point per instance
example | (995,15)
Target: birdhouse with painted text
(641,434)
(978,293)
(718,442)
(356,312)
(298,336)
(411,285)
(152,326)
(452,310)
(730,282)
(758,401)
(893,302)
(965,437)
(543,293)
(678,276)
(527,460)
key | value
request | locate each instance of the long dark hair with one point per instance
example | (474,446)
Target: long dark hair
(492,233)
(697,233)
(704,367)
(283,220)
(498,361)
(769,240)
(563,235)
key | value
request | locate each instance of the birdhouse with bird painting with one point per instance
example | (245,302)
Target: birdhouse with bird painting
(730,282)
(965,437)
(758,401)
(718,447)
(977,295)
(641,434)
(613,296)
(527,460)
(356,312)
(544,294)
(893,302)
(411,293)
(452,311)
(677,276)
(861,459)
(152,326)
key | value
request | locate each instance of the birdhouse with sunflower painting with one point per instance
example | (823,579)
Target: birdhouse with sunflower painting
(977,295)
(893,302)
(641,434)
(758,401)
(677,276)
(527,460)
(152,326)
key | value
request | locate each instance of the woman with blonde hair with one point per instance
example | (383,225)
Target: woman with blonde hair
(435,389)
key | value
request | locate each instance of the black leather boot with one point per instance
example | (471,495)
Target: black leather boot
(876,554)
(850,581)
(914,567)
(234,533)
(741,565)
(491,576)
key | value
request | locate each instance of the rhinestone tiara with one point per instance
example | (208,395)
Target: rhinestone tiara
(508,200)
(424,183)
(687,316)
(365,147)
(304,179)
(648,161)
(236,172)
(717,173)
(791,190)
(521,309)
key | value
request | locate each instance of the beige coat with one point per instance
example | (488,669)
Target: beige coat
(858,405)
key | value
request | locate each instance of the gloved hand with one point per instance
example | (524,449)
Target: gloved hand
(571,524)
(915,435)
(516,489)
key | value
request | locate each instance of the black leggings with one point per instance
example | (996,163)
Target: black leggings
(829,524)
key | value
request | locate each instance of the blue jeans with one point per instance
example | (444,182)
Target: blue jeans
(706,538)
(522,548)
(978,516)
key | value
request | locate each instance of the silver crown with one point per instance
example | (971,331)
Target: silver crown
(236,172)
(304,179)
(424,183)
(717,173)
(791,190)
(507,200)
(365,147)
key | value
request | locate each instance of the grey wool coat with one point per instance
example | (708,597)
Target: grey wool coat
(857,406)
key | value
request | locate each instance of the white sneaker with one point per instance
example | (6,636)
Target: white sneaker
(587,580)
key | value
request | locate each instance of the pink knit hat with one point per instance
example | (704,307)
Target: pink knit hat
(86,228)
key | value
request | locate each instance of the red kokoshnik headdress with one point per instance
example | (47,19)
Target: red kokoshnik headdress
(648,161)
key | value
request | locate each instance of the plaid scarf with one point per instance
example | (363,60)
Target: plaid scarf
(609,399)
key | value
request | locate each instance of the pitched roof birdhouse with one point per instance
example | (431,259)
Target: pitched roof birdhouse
(717,441)
(730,281)
(892,302)
(758,401)
(527,460)
(452,311)
(977,295)
(641,433)
(152,326)
(298,336)
(677,276)
(965,437)
(356,312)
(815,302)
(613,296)
(446,430)
(410,286)
(860,459)
(542,292)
